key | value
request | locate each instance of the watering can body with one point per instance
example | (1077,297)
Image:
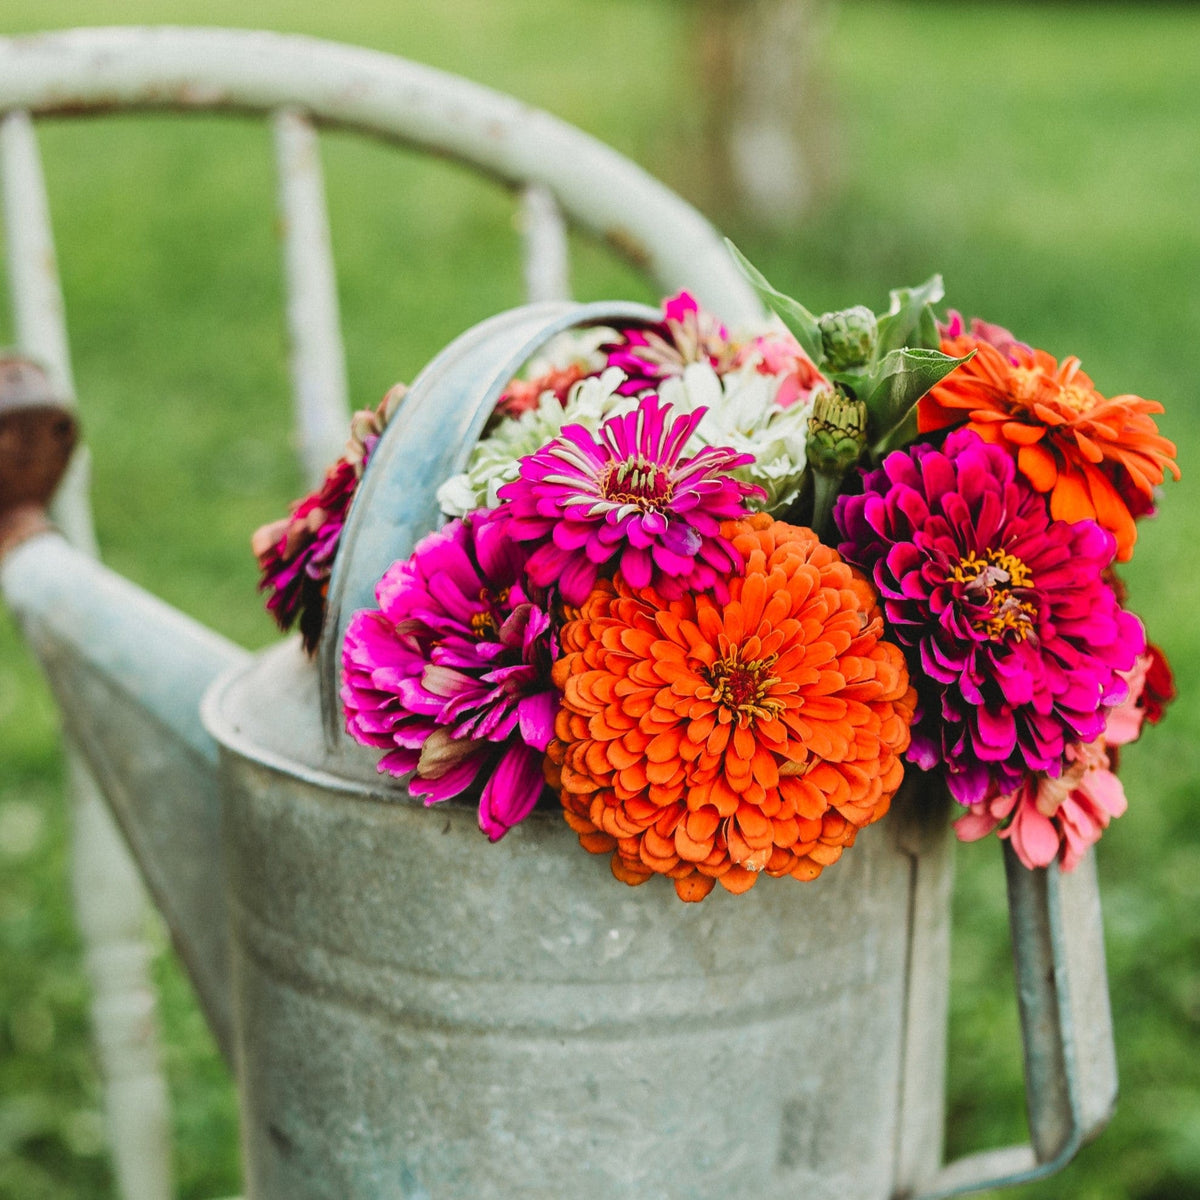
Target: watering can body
(411,1012)
(420,1014)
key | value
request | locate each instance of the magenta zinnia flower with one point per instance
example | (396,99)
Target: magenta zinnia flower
(628,498)
(295,554)
(451,674)
(1016,642)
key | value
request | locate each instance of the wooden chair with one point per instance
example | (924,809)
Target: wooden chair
(559,176)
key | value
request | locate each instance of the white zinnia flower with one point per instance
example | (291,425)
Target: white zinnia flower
(742,413)
(495,460)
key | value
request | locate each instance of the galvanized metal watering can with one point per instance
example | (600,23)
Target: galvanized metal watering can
(411,1012)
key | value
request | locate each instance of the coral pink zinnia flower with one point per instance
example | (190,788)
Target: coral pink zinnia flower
(451,674)
(628,498)
(523,394)
(1049,818)
(1015,641)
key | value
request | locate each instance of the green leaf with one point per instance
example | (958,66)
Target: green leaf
(857,383)
(909,320)
(793,314)
(899,436)
(900,380)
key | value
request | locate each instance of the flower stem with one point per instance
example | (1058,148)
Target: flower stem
(825,491)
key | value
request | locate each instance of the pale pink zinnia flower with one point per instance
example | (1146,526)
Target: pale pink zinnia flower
(779,354)
(1049,817)
(627,498)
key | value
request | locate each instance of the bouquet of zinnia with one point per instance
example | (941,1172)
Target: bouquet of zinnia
(710,592)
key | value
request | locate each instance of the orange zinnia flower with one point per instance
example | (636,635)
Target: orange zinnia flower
(1097,458)
(708,742)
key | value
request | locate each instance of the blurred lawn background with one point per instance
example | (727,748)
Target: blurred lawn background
(1045,159)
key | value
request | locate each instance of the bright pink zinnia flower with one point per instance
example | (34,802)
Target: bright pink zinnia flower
(628,498)
(1016,642)
(451,674)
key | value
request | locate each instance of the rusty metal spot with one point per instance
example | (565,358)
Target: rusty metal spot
(37,434)
(629,246)
(284,1144)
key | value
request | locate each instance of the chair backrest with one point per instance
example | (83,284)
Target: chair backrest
(560,174)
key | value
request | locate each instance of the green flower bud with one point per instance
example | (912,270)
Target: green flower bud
(848,337)
(837,432)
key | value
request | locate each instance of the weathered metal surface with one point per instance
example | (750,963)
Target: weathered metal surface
(128,673)
(98,70)
(421,1013)
(544,232)
(1066,1025)
(321,394)
(918,823)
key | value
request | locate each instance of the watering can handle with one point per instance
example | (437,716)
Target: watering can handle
(396,504)
(1066,1025)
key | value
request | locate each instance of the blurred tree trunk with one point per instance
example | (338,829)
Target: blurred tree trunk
(766,112)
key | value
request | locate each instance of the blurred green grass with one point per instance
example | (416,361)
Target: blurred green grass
(1042,158)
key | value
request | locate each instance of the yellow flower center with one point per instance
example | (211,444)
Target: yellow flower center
(1026,384)
(1030,386)
(1077,399)
(483,624)
(989,582)
(743,687)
